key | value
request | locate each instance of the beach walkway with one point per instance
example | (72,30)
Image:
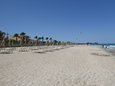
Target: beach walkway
(74,66)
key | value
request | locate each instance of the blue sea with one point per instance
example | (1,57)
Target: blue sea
(111,46)
(108,46)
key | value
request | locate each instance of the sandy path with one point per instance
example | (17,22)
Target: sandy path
(75,66)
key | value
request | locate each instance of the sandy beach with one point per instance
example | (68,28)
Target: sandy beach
(74,66)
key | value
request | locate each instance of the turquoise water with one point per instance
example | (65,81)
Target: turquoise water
(109,46)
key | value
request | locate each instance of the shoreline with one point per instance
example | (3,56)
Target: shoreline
(111,51)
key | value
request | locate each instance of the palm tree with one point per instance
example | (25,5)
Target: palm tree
(59,42)
(9,44)
(36,37)
(6,39)
(7,35)
(55,42)
(50,41)
(27,39)
(47,38)
(22,35)
(39,38)
(2,37)
(42,38)
(16,35)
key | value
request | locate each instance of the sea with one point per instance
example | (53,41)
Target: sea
(111,49)
(107,47)
(111,46)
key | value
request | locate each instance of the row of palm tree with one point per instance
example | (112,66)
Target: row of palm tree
(2,38)
(48,40)
(22,39)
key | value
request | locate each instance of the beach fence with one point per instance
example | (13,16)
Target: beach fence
(6,50)
(46,48)
(35,49)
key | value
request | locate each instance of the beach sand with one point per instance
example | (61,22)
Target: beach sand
(74,66)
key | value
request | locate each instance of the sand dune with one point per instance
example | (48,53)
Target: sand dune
(75,66)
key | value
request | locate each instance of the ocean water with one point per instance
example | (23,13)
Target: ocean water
(111,46)
(107,46)
(111,49)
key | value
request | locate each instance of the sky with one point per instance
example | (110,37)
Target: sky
(65,20)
